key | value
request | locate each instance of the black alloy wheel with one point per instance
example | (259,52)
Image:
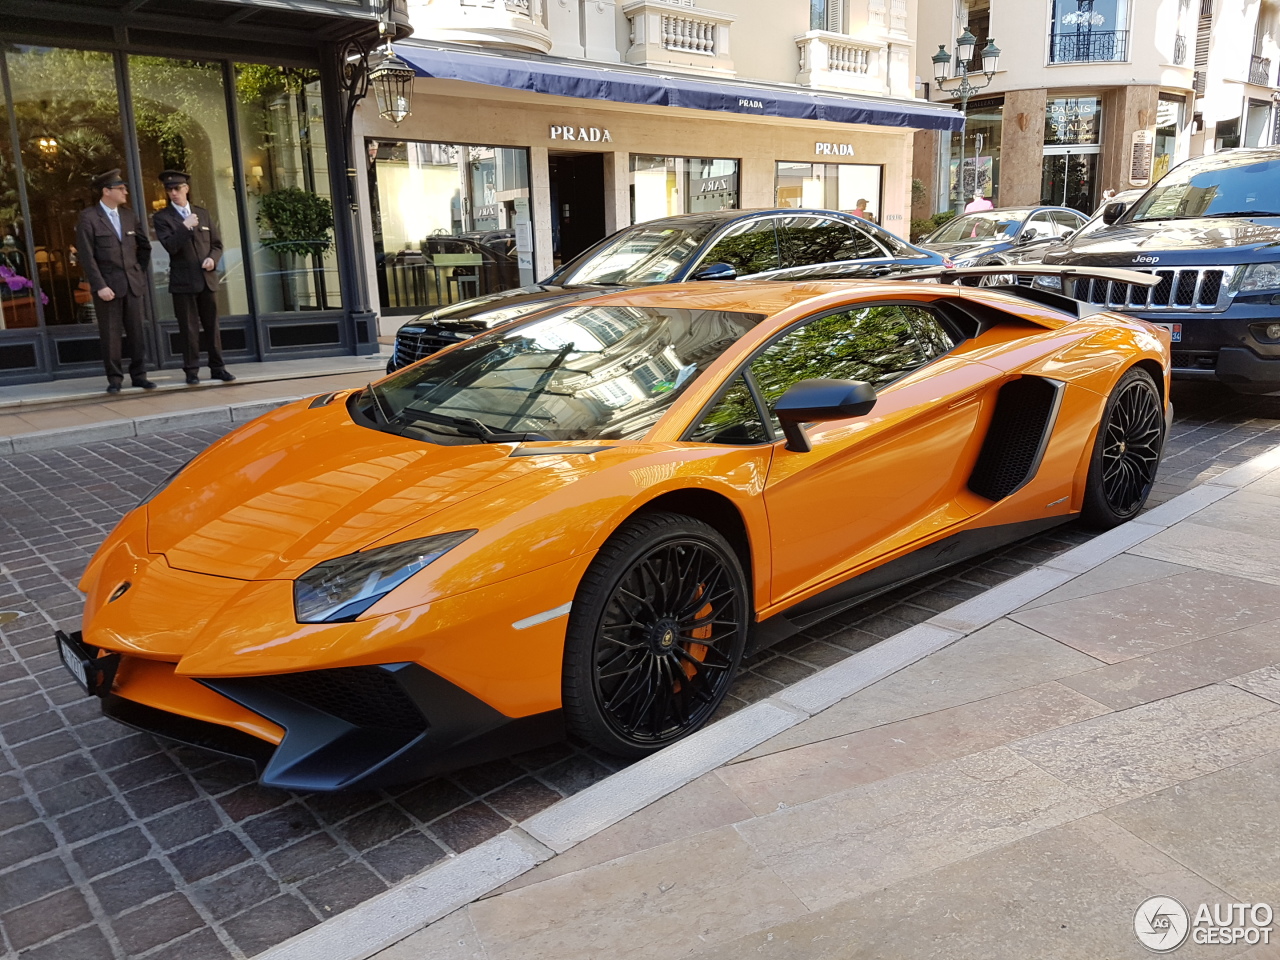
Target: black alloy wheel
(655,636)
(1127,452)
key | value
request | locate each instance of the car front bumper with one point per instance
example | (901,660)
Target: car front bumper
(319,730)
(1222,347)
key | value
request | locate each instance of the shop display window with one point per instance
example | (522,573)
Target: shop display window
(1170,119)
(450,222)
(286,166)
(980,149)
(667,186)
(852,187)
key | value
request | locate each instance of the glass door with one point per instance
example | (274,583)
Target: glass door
(1069,178)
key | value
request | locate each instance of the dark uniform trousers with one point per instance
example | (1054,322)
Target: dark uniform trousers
(197,311)
(121,316)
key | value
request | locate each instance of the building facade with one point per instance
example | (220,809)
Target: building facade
(247,97)
(1097,95)
(539,127)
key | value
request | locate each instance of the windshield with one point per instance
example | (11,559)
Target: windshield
(1225,188)
(586,373)
(978,226)
(648,253)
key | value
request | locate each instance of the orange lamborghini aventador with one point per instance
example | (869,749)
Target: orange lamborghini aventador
(582,520)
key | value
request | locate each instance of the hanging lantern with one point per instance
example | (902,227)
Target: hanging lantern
(392,82)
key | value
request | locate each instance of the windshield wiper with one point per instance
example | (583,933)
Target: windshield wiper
(471,427)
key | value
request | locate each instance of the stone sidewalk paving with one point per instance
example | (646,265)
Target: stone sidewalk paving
(1017,794)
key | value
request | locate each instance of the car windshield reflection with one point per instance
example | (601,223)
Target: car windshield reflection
(643,254)
(586,373)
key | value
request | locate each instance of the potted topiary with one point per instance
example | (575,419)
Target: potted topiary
(299,223)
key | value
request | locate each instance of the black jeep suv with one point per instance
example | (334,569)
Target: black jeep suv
(1210,230)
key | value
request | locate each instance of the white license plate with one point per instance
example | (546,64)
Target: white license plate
(71,660)
(1175,330)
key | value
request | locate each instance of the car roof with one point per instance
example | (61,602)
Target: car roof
(724,216)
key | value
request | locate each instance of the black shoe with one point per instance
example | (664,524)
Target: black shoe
(192,380)
(113,388)
(144,384)
(226,376)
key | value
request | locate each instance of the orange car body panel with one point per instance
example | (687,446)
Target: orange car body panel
(213,557)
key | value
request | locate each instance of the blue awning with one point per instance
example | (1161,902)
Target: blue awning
(560,79)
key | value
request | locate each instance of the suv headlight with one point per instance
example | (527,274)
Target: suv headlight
(1048,282)
(1259,278)
(345,587)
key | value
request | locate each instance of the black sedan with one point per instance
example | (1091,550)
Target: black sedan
(978,239)
(723,245)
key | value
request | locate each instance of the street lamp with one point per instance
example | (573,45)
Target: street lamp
(965,44)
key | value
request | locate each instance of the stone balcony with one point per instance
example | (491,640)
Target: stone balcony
(675,35)
(518,24)
(835,61)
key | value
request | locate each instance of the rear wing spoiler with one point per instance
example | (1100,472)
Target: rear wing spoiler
(1054,286)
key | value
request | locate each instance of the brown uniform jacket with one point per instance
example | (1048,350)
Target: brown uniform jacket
(188,249)
(110,261)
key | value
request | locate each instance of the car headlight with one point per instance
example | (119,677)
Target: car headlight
(1048,283)
(1259,277)
(159,487)
(345,587)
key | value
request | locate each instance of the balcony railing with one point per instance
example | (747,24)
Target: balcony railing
(1090,47)
(671,34)
(1260,71)
(841,62)
(1179,50)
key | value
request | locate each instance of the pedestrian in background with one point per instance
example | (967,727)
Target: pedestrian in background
(979,204)
(114,254)
(191,237)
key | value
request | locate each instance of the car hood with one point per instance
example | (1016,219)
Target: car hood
(305,485)
(1175,242)
(967,249)
(483,313)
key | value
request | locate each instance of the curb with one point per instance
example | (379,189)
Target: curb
(405,909)
(140,426)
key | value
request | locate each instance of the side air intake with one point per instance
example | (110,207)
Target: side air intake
(1017,437)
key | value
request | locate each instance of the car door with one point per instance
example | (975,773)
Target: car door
(870,484)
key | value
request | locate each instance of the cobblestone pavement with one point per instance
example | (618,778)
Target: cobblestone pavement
(114,844)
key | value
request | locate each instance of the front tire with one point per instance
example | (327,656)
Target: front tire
(1126,453)
(655,636)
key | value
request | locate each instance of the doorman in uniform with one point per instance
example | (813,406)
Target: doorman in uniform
(114,253)
(191,237)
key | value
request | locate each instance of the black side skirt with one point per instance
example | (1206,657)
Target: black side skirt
(956,548)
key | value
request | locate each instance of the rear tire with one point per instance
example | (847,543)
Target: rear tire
(1126,453)
(655,636)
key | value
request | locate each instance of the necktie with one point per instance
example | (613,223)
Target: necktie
(114,216)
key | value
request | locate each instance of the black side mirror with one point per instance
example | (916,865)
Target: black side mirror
(1113,212)
(1066,234)
(716,271)
(1027,235)
(816,401)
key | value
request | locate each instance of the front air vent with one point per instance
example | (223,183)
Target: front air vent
(1016,439)
(368,697)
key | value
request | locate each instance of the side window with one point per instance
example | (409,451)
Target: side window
(809,240)
(1042,225)
(1067,222)
(750,247)
(933,335)
(734,420)
(874,344)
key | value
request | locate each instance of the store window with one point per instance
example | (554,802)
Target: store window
(980,151)
(450,221)
(180,111)
(1072,120)
(18,293)
(851,187)
(1226,134)
(1072,145)
(666,186)
(286,166)
(1170,119)
(69,129)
